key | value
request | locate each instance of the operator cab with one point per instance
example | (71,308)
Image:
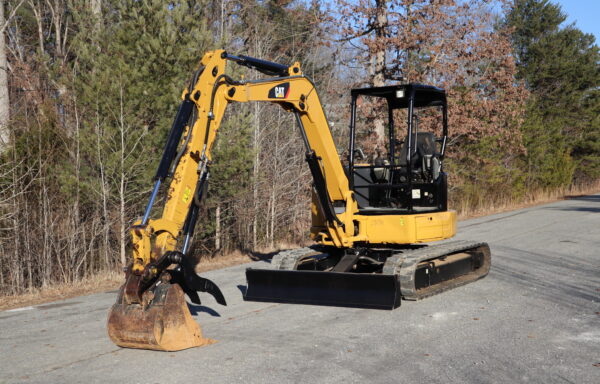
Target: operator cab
(404,171)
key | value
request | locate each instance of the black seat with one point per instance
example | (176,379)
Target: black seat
(425,145)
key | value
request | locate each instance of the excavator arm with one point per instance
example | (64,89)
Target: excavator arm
(204,103)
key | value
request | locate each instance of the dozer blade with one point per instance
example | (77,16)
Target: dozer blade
(340,289)
(162,323)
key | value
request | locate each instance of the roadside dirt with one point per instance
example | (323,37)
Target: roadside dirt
(536,199)
(113,280)
(99,283)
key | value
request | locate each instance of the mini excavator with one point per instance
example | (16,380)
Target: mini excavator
(370,222)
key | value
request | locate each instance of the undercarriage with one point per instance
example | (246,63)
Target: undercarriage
(367,277)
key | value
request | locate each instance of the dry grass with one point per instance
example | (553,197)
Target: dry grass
(466,211)
(98,283)
(238,257)
(112,280)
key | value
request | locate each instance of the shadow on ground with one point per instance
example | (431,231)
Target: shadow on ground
(594,208)
(260,256)
(595,198)
(196,309)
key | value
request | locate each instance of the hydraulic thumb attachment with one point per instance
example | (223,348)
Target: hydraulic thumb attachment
(183,274)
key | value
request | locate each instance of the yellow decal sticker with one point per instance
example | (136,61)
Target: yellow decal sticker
(186,194)
(402,221)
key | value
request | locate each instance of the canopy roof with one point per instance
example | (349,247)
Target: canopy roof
(398,95)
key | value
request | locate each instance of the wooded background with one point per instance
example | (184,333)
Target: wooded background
(89,88)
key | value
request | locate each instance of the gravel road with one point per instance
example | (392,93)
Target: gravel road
(534,318)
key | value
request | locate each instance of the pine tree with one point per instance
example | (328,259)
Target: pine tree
(129,75)
(560,68)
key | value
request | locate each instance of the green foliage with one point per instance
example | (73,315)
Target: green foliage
(129,74)
(561,69)
(485,173)
(587,146)
(531,21)
(548,161)
(233,154)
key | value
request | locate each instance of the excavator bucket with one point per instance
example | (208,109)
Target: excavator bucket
(161,322)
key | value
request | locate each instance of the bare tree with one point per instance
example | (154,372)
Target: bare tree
(4,98)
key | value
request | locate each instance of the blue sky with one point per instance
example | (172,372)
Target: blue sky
(585,14)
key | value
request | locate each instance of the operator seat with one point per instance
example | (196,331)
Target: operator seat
(424,146)
(425,159)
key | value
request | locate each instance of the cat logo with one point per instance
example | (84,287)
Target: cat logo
(280,91)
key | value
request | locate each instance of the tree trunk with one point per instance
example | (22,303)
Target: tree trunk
(255,171)
(4,100)
(381,24)
(105,215)
(218,228)
(222,22)
(122,221)
(96,7)
(40,28)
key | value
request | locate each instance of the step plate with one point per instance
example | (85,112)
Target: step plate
(341,289)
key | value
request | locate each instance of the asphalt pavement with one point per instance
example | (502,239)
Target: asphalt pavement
(534,319)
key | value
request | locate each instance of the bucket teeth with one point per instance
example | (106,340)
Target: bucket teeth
(161,322)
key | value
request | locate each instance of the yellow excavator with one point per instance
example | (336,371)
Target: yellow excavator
(370,221)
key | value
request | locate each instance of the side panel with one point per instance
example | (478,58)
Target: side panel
(429,227)
(450,226)
(408,229)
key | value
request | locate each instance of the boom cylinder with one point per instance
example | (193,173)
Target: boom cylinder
(267,67)
(170,151)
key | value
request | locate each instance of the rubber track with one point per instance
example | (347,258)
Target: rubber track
(288,260)
(404,265)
